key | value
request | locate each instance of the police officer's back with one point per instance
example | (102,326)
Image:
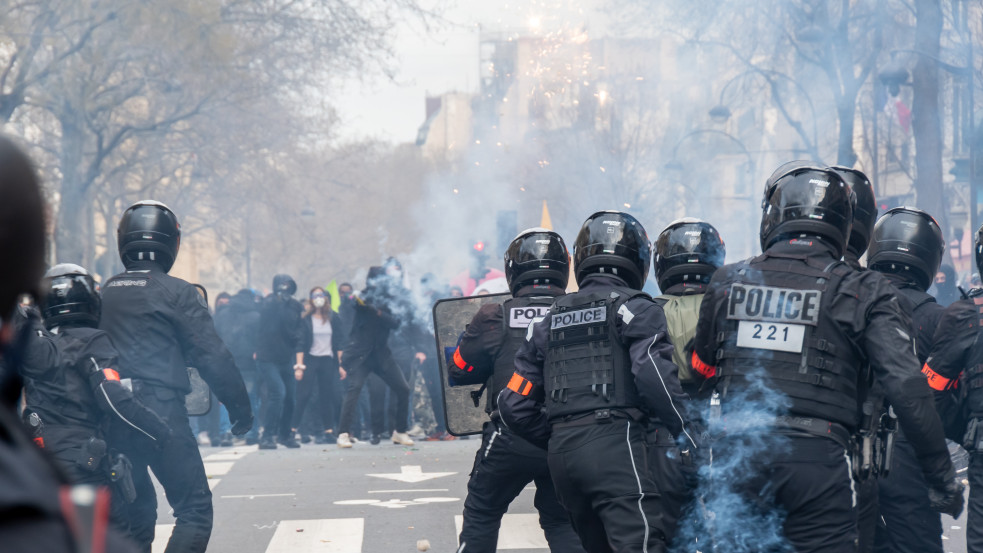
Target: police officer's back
(907,248)
(687,253)
(586,382)
(786,334)
(76,406)
(161,325)
(537,268)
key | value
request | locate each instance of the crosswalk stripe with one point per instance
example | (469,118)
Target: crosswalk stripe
(162,533)
(517,532)
(218,469)
(335,535)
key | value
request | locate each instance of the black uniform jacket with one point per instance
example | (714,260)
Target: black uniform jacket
(160,326)
(69,381)
(484,336)
(371,327)
(866,307)
(656,377)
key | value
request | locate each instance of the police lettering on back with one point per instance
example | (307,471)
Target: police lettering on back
(579,317)
(772,304)
(522,317)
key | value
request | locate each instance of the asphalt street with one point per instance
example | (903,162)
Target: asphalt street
(372,499)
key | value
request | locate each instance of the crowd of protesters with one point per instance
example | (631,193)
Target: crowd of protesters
(334,366)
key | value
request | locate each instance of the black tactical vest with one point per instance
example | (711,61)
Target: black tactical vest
(517,313)
(777,320)
(587,367)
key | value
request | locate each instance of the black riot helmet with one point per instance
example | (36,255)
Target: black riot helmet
(979,250)
(807,200)
(284,285)
(537,255)
(149,231)
(613,242)
(907,240)
(688,250)
(70,297)
(865,213)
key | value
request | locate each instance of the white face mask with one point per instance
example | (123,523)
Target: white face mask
(319,302)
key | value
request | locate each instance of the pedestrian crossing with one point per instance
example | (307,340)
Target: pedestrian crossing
(345,535)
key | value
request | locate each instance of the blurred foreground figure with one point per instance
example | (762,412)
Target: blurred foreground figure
(36,501)
(957,357)
(537,267)
(783,338)
(590,378)
(161,325)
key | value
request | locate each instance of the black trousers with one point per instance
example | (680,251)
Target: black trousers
(974,522)
(179,469)
(666,471)
(321,381)
(503,466)
(602,479)
(868,514)
(803,485)
(386,369)
(910,524)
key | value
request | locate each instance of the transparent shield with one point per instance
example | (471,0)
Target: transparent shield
(450,317)
(199,400)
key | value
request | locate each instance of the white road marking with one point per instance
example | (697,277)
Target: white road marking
(397,503)
(517,532)
(162,533)
(212,482)
(409,491)
(258,495)
(412,474)
(223,457)
(218,469)
(338,535)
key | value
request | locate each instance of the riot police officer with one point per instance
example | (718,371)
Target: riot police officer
(588,379)
(956,362)
(687,253)
(537,267)
(784,336)
(907,249)
(160,325)
(864,217)
(73,393)
(864,214)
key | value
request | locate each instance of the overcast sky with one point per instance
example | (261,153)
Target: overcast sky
(445,60)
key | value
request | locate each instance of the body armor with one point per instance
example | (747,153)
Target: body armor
(779,321)
(973,379)
(518,314)
(588,368)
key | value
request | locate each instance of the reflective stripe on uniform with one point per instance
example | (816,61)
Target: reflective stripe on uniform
(520,385)
(707,371)
(936,380)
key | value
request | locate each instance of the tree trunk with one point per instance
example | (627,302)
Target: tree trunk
(926,115)
(846,110)
(71,230)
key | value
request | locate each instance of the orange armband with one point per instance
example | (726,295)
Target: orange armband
(520,385)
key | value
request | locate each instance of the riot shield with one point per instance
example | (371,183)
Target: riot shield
(198,402)
(464,406)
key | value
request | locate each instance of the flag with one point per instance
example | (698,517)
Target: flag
(332,290)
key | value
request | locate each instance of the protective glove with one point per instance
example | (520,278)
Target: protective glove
(948,499)
(242,425)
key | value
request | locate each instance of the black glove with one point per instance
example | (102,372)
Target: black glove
(242,425)
(948,499)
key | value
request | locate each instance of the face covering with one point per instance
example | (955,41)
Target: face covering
(319,301)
